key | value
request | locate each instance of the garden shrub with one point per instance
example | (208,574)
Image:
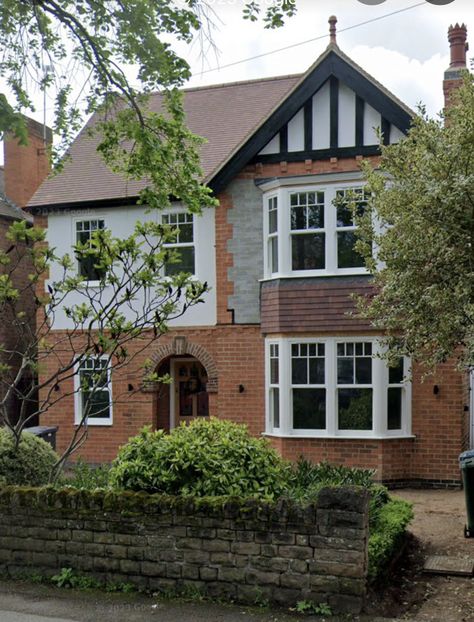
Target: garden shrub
(87,477)
(307,478)
(30,464)
(388,522)
(209,457)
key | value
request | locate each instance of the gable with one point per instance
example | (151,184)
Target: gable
(332,112)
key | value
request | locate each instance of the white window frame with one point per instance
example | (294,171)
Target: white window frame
(271,204)
(379,387)
(93,421)
(87,218)
(330,230)
(177,245)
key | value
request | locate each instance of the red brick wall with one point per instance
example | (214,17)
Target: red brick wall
(239,356)
(26,166)
(9,338)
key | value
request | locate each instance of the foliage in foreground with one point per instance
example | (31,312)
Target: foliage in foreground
(87,477)
(420,220)
(307,478)
(207,458)
(388,523)
(29,464)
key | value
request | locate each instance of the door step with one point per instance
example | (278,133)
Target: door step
(442,564)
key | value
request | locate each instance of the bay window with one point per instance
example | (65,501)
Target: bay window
(335,387)
(311,230)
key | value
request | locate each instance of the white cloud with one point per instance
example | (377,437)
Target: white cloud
(411,80)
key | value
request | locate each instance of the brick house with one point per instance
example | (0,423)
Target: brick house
(25,168)
(273,346)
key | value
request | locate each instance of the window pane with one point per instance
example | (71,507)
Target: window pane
(275,406)
(309,409)
(185,233)
(274,371)
(354,409)
(347,257)
(185,264)
(299,371)
(345,370)
(344,216)
(308,251)
(88,270)
(316,371)
(298,217)
(394,408)
(395,374)
(316,217)
(272,221)
(98,404)
(274,254)
(363,370)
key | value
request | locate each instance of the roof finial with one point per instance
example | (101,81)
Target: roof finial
(332,29)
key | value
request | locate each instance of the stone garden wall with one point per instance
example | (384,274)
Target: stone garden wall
(245,550)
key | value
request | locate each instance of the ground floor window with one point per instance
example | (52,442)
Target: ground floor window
(335,387)
(93,391)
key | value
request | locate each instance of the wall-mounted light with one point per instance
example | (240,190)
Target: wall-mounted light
(130,387)
(436,390)
(57,387)
(241,388)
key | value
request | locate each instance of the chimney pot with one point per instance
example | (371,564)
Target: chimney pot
(457,37)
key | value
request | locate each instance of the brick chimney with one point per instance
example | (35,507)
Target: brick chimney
(457,37)
(26,166)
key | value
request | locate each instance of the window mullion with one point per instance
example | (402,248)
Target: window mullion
(379,388)
(284,240)
(331,233)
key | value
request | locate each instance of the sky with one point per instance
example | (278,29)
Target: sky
(401,43)
(407,52)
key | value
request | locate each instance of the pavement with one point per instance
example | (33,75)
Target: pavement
(25,602)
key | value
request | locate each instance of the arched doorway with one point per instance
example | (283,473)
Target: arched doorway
(193,380)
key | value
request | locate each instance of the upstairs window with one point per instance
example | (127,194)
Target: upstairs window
(272,245)
(311,231)
(346,200)
(308,238)
(182,248)
(87,265)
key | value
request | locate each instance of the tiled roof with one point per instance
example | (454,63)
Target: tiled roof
(225,115)
(11,211)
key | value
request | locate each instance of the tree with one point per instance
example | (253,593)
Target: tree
(420,224)
(43,43)
(131,301)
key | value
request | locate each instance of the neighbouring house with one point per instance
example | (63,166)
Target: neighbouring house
(274,345)
(25,168)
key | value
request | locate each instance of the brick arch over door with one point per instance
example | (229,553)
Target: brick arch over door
(180,346)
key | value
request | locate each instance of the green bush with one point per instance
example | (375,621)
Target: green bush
(210,457)
(86,477)
(30,464)
(307,478)
(388,522)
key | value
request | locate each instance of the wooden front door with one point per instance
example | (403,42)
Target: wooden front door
(189,391)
